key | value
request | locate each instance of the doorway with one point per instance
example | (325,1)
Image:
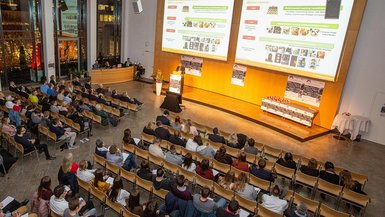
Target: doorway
(68,56)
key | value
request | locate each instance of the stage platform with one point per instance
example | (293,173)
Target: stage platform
(253,113)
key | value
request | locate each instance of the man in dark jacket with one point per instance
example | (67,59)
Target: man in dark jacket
(162,132)
(161,182)
(176,139)
(215,137)
(164,118)
(260,172)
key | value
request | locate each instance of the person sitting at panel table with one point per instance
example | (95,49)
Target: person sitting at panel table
(96,65)
(107,65)
(76,81)
(128,63)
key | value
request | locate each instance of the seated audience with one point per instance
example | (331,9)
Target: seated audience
(117,192)
(76,82)
(177,125)
(161,132)
(115,156)
(30,144)
(58,109)
(7,127)
(100,149)
(204,170)
(41,197)
(241,163)
(215,137)
(155,149)
(100,180)
(173,157)
(60,95)
(134,205)
(127,139)
(8,161)
(204,149)
(164,118)
(311,169)
(44,87)
(13,87)
(144,171)
(347,181)
(106,119)
(63,133)
(232,210)
(36,116)
(233,141)
(227,181)
(67,171)
(125,98)
(299,211)
(161,182)
(149,129)
(177,139)
(287,161)
(78,207)
(180,190)
(222,157)
(85,174)
(273,202)
(189,128)
(261,172)
(192,144)
(57,202)
(152,210)
(188,163)
(329,174)
(23,92)
(244,189)
(46,120)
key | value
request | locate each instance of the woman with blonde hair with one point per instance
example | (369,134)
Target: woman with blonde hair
(244,189)
(149,128)
(67,171)
(227,182)
(8,128)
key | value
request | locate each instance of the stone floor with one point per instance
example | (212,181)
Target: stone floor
(362,157)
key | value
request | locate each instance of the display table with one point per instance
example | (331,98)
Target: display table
(291,111)
(353,124)
(112,76)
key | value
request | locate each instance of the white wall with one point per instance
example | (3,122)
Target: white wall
(364,91)
(140,35)
(91,33)
(48,38)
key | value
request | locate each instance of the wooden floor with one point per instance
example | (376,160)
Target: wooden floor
(253,112)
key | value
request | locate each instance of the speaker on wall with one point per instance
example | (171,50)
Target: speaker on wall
(137,6)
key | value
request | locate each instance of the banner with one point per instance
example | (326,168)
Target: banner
(193,65)
(304,90)
(175,83)
(239,73)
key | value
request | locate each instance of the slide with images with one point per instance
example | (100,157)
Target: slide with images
(197,27)
(299,37)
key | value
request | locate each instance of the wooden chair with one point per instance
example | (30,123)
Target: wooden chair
(238,171)
(222,192)
(161,193)
(155,159)
(326,211)
(221,167)
(129,148)
(53,214)
(273,152)
(184,151)
(146,185)
(250,158)
(284,171)
(200,157)
(173,168)
(141,153)
(225,134)
(260,183)
(114,205)
(129,176)
(312,205)
(356,199)
(263,212)
(233,152)
(78,130)
(330,189)
(113,168)
(99,195)
(99,160)
(19,148)
(306,180)
(246,204)
(85,185)
(199,180)
(127,213)
(164,144)
(146,138)
(289,196)
(215,145)
(269,164)
(187,174)
(97,118)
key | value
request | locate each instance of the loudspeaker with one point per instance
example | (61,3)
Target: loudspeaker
(137,6)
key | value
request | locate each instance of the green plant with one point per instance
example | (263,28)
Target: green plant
(159,77)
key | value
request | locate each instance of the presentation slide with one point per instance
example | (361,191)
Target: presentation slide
(197,27)
(298,37)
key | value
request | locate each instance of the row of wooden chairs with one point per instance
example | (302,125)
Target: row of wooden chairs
(17,146)
(70,123)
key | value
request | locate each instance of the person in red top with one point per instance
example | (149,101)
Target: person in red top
(204,170)
(241,163)
(16,106)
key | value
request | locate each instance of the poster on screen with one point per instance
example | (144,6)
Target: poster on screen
(193,65)
(382,112)
(304,90)
(239,74)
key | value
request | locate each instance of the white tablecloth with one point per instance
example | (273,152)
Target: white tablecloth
(353,124)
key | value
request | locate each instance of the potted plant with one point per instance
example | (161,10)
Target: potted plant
(158,82)
(82,73)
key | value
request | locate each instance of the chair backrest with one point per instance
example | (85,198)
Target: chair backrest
(161,193)
(305,179)
(354,197)
(250,158)
(112,167)
(114,205)
(170,166)
(147,138)
(155,159)
(238,171)
(249,205)
(263,212)
(100,160)
(203,182)
(215,145)
(141,153)
(101,196)
(129,147)
(233,152)
(312,205)
(260,183)
(146,185)
(85,185)
(326,211)
(129,176)
(52,136)
(97,118)
(329,188)
(222,192)
(284,171)
(221,167)
(164,144)
(53,214)
(115,112)
(275,152)
(127,213)
(269,164)
(187,174)
(184,151)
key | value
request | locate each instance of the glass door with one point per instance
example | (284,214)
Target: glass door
(68,56)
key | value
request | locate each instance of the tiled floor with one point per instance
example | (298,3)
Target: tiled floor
(362,157)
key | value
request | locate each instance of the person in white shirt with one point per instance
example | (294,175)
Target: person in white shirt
(192,144)
(115,156)
(273,202)
(117,193)
(155,149)
(57,203)
(188,163)
(9,104)
(83,173)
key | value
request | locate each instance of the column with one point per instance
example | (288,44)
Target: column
(92,31)
(124,45)
(48,38)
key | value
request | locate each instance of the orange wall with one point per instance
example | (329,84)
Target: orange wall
(216,75)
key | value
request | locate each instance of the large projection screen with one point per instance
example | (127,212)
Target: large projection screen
(299,37)
(197,27)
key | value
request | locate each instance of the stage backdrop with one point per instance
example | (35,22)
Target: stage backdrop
(216,76)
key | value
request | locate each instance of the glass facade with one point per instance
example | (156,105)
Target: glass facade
(21,56)
(70,36)
(109,31)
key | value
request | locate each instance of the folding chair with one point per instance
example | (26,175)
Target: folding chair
(199,180)
(249,205)
(113,168)
(155,159)
(114,205)
(221,167)
(146,185)
(141,153)
(146,138)
(306,180)
(356,199)
(312,205)
(260,183)
(99,160)
(326,211)
(270,151)
(222,192)
(330,189)
(263,212)
(187,174)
